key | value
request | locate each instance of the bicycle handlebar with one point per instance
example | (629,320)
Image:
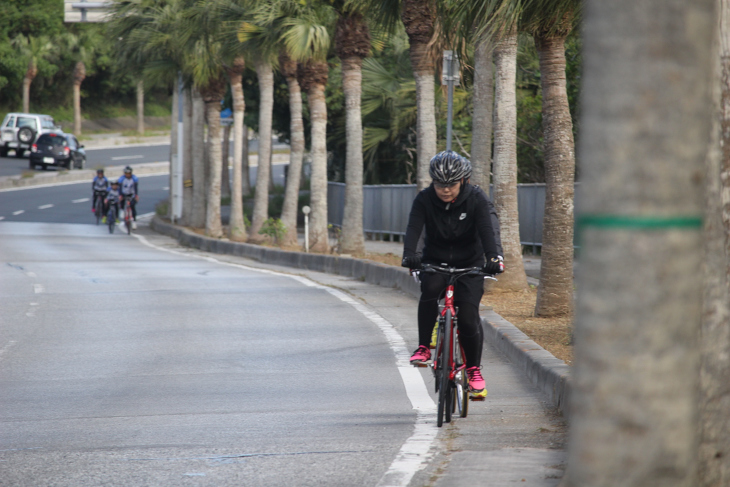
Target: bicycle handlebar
(454,271)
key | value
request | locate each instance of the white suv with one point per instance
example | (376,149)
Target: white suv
(19,130)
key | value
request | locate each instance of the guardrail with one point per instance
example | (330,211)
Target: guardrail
(386,209)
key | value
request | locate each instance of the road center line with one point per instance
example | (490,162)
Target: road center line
(416,452)
(81,200)
(124,158)
(44,207)
(19,212)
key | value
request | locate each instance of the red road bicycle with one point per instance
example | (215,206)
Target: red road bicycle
(128,215)
(449,364)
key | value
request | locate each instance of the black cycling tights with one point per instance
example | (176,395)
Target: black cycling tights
(469,290)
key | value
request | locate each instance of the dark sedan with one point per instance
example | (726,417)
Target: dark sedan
(57,149)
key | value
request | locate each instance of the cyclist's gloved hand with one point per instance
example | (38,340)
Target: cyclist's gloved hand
(494,265)
(413,262)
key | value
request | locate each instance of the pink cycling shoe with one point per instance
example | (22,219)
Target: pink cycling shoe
(477,386)
(421,355)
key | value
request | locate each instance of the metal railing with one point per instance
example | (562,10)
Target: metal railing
(386,209)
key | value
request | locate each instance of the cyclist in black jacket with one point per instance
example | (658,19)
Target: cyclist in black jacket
(460,230)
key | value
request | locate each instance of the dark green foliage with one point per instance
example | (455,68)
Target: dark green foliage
(107,90)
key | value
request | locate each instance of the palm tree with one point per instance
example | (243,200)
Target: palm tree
(634,402)
(140,106)
(34,49)
(288,68)
(313,76)
(265,75)
(352,40)
(200,30)
(307,40)
(236,224)
(81,47)
(550,23)
(258,34)
(494,21)
(419,19)
(505,164)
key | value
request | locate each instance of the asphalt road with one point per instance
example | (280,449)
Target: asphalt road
(71,203)
(122,364)
(121,156)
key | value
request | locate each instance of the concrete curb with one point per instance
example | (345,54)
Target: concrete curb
(76,175)
(547,373)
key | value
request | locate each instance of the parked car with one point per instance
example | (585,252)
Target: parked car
(19,131)
(57,149)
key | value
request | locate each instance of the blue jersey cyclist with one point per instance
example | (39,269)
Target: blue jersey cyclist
(129,188)
(99,187)
(460,229)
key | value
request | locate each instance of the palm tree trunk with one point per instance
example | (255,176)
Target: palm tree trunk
(263,174)
(78,77)
(634,405)
(245,178)
(293,180)
(555,292)
(353,237)
(483,100)
(318,234)
(225,174)
(714,453)
(140,107)
(505,165)
(188,135)
(426,113)
(418,18)
(198,162)
(237,228)
(30,75)
(213,226)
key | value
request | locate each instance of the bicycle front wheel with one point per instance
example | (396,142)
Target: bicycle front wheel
(461,386)
(99,209)
(445,392)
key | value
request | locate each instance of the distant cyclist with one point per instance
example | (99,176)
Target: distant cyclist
(461,232)
(99,187)
(129,188)
(112,201)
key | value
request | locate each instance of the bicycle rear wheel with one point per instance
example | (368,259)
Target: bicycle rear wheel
(128,219)
(445,392)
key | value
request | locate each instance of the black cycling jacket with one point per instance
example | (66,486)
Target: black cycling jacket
(460,233)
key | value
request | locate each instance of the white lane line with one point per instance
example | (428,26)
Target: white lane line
(31,274)
(44,207)
(38,288)
(2,218)
(19,212)
(80,200)
(417,451)
(166,188)
(124,158)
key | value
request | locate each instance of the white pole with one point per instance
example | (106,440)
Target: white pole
(306,210)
